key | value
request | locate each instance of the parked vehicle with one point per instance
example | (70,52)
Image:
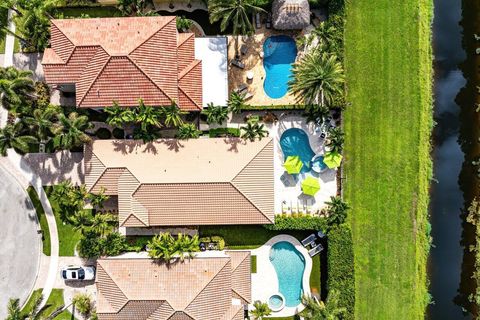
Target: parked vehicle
(81,273)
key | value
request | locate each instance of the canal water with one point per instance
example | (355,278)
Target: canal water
(454,147)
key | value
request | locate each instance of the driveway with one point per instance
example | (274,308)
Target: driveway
(20,244)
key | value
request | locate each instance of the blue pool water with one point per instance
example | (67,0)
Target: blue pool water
(294,142)
(289,264)
(279,54)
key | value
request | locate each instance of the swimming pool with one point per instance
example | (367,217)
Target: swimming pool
(279,54)
(294,142)
(289,264)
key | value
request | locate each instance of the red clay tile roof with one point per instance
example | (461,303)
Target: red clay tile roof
(124,59)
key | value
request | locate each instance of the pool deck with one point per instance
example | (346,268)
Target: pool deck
(265,281)
(254,62)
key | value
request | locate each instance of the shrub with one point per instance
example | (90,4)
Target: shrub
(217,239)
(42,91)
(137,243)
(341,269)
(118,133)
(297,222)
(183,23)
(82,303)
(222,132)
(103,133)
(113,245)
(91,245)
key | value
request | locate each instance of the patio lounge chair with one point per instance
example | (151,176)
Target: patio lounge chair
(241,88)
(237,63)
(248,95)
(316,250)
(320,234)
(285,208)
(243,49)
(309,240)
(294,209)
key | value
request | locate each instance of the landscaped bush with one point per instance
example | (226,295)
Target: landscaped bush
(93,246)
(42,91)
(297,222)
(341,267)
(222,132)
(103,133)
(137,243)
(118,133)
(217,239)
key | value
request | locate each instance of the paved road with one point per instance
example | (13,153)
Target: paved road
(20,244)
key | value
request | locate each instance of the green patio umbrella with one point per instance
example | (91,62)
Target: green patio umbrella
(310,186)
(332,159)
(293,164)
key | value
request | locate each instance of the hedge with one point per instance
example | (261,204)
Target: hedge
(273,107)
(218,132)
(297,222)
(118,133)
(103,133)
(341,268)
(216,239)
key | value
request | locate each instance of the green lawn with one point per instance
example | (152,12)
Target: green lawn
(68,237)
(387,164)
(315,284)
(54,301)
(42,219)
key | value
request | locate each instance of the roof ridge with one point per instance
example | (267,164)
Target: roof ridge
(188,68)
(68,39)
(184,39)
(100,70)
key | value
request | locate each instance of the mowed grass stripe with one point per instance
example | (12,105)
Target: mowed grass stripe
(387,128)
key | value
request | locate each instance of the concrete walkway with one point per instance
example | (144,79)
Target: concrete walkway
(22,169)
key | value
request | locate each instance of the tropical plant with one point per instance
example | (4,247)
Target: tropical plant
(97,199)
(215,114)
(147,116)
(260,311)
(336,139)
(13,309)
(135,7)
(337,211)
(317,79)
(103,223)
(70,199)
(70,131)
(318,310)
(118,116)
(183,23)
(188,131)
(148,135)
(6,5)
(12,136)
(40,123)
(165,247)
(233,12)
(236,102)
(317,114)
(253,131)
(16,87)
(82,303)
(173,115)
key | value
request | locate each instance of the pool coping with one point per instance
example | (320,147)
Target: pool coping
(263,263)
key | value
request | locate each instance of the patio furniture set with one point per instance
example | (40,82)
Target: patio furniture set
(302,207)
(311,241)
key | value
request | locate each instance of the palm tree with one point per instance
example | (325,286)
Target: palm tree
(118,117)
(215,114)
(317,79)
(336,139)
(97,199)
(337,210)
(317,114)
(16,87)
(253,131)
(41,123)
(261,310)
(173,115)
(134,7)
(165,247)
(150,134)
(148,116)
(70,131)
(318,310)
(13,309)
(236,102)
(36,312)
(103,223)
(233,12)
(187,246)
(12,137)
(188,131)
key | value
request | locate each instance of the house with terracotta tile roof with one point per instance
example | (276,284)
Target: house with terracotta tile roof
(124,59)
(192,182)
(205,287)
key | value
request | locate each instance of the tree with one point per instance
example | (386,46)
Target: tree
(215,114)
(40,123)
(103,223)
(13,309)
(70,131)
(337,210)
(233,12)
(135,7)
(118,116)
(188,131)
(97,199)
(165,247)
(12,136)
(183,23)
(16,87)
(173,115)
(150,134)
(317,114)
(253,131)
(83,303)
(336,139)
(236,102)
(9,5)
(261,310)
(317,79)
(148,116)
(318,310)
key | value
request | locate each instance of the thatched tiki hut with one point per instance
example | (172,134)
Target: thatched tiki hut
(290,14)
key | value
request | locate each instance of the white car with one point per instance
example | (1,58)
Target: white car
(82,273)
